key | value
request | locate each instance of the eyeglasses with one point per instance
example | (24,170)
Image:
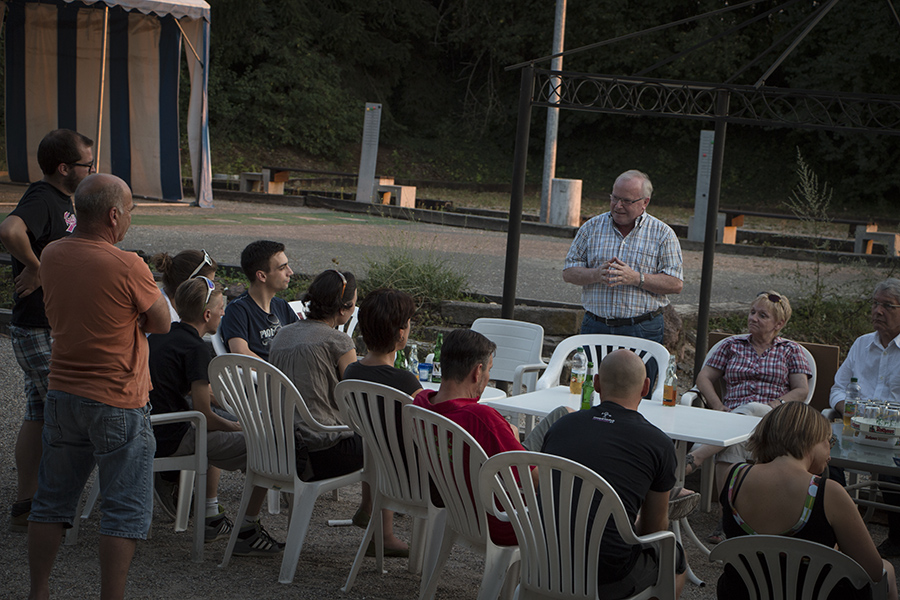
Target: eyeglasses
(884,305)
(832,441)
(773,298)
(625,201)
(206,261)
(210,287)
(89,166)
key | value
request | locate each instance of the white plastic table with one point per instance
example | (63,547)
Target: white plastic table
(848,454)
(683,424)
(489,393)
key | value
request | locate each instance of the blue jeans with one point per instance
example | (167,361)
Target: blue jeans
(651,329)
(79,433)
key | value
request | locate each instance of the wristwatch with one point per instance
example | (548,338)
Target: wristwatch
(641,284)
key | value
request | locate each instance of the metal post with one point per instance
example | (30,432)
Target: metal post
(550,140)
(709,242)
(520,164)
(102,84)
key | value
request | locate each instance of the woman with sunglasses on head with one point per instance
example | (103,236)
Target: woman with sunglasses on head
(314,355)
(177,269)
(761,371)
(783,494)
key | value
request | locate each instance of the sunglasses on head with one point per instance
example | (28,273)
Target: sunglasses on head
(773,298)
(206,261)
(210,287)
(343,284)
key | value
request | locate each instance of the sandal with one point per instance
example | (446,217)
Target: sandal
(717,536)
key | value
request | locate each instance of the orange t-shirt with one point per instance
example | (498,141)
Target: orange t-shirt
(94,294)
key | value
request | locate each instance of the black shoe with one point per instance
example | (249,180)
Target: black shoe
(253,540)
(166,494)
(889,548)
(218,527)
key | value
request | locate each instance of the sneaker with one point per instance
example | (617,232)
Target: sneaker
(889,548)
(218,526)
(18,516)
(253,540)
(166,494)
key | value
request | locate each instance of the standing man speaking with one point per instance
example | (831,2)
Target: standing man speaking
(626,261)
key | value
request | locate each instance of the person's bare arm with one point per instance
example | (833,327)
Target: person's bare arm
(584,275)
(706,380)
(346,359)
(14,235)
(157,318)
(799,389)
(657,283)
(852,535)
(238,345)
(654,514)
(201,392)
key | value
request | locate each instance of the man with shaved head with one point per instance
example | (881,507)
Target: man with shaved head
(100,303)
(636,458)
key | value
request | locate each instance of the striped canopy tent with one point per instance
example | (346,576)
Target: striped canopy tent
(110,70)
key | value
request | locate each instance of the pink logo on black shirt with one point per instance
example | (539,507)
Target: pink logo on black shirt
(70,222)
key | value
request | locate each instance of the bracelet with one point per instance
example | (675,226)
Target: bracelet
(641,284)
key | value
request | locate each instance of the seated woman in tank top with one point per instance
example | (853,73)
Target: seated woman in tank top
(783,494)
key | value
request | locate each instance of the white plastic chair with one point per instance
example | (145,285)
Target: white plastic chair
(266,408)
(559,561)
(597,346)
(218,343)
(350,326)
(453,459)
(519,346)
(374,411)
(784,568)
(299,307)
(193,481)
(692,397)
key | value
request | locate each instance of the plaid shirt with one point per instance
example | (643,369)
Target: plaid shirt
(650,248)
(750,377)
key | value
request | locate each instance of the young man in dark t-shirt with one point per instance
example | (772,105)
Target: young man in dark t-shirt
(252,320)
(44,214)
(179,363)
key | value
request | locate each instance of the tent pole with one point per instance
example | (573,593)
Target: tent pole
(102,84)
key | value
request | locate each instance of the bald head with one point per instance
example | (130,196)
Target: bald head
(98,193)
(622,377)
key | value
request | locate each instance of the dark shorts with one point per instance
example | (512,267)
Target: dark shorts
(642,576)
(344,457)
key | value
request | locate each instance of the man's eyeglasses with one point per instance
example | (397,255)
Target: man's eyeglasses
(884,305)
(89,166)
(832,440)
(206,261)
(773,298)
(625,201)
(210,287)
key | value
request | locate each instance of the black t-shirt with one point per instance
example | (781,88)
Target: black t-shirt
(49,215)
(387,375)
(630,453)
(177,359)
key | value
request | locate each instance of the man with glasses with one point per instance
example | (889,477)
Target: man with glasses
(874,359)
(44,214)
(627,262)
(252,320)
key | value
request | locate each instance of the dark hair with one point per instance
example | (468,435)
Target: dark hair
(382,314)
(175,270)
(324,297)
(793,428)
(190,299)
(61,146)
(461,351)
(255,257)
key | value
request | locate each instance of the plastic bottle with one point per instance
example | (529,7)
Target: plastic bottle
(399,361)
(436,370)
(851,401)
(412,360)
(670,389)
(587,390)
(579,371)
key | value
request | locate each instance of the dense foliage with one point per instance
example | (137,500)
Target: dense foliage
(296,73)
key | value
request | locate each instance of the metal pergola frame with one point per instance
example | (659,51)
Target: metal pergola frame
(719,103)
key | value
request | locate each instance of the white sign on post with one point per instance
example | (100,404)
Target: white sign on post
(369,155)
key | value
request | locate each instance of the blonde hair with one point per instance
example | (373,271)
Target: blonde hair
(190,299)
(781,309)
(793,428)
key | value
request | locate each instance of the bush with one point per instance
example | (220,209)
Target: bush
(423,275)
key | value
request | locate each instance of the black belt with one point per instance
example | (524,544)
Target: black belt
(628,320)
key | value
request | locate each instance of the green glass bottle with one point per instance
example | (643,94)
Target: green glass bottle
(587,388)
(436,369)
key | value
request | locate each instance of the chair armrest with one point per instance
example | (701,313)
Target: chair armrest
(313,424)
(693,397)
(520,374)
(191,416)
(831,414)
